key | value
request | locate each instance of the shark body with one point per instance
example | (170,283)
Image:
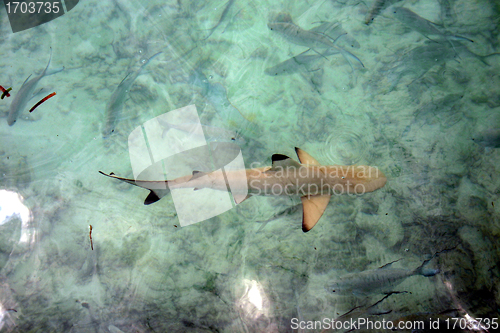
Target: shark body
(313,182)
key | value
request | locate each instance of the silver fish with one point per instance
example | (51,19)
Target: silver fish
(377,7)
(421,25)
(293,65)
(419,61)
(335,30)
(376,280)
(295,34)
(115,104)
(297,63)
(26,92)
(312,39)
(222,17)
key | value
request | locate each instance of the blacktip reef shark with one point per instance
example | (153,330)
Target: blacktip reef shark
(26,92)
(313,182)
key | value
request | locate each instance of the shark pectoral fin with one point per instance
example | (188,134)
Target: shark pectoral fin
(239,198)
(313,208)
(305,158)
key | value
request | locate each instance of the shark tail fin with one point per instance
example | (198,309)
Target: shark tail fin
(158,189)
(155,195)
(313,208)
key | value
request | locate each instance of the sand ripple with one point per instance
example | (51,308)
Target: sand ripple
(346,146)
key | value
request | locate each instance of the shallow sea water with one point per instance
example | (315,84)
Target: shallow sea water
(411,111)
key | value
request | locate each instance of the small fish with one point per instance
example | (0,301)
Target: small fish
(222,17)
(312,39)
(26,92)
(489,138)
(377,7)
(313,182)
(421,25)
(376,280)
(115,104)
(295,34)
(419,61)
(298,62)
(293,65)
(335,30)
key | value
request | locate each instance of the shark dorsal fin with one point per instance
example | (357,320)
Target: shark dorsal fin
(198,174)
(313,208)
(305,158)
(282,161)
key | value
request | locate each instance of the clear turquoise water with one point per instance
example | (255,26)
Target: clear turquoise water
(412,111)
